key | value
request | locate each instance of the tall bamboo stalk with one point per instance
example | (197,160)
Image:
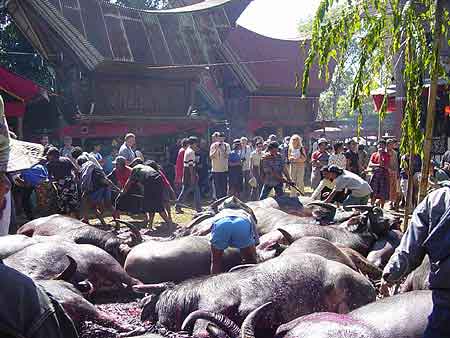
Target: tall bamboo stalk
(431,108)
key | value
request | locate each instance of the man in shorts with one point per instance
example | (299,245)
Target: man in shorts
(237,230)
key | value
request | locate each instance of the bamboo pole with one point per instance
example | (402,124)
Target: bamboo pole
(432,93)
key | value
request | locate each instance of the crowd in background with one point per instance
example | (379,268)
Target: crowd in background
(74,182)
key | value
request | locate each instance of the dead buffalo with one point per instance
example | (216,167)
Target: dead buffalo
(80,233)
(326,249)
(10,244)
(47,259)
(358,233)
(384,247)
(78,308)
(175,260)
(268,218)
(296,284)
(404,316)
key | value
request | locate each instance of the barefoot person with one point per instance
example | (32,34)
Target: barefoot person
(236,230)
(152,184)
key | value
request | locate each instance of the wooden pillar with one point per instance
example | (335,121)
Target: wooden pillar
(20,128)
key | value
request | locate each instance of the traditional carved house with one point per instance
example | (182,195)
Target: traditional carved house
(164,72)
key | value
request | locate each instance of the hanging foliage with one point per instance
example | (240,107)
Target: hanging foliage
(389,34)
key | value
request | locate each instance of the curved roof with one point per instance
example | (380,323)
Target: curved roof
(98,31)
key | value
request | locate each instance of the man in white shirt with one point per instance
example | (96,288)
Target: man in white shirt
(245,158)
(190,176)
(219,152)
(126,149)
(359,189)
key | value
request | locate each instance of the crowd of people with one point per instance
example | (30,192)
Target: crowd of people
(70,181)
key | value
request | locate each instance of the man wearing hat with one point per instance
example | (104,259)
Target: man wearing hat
(319,159)
(219,153)
(345,181)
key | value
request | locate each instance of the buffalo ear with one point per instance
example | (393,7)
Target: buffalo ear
(69,271)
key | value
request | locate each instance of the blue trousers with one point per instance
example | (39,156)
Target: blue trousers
(220,184)
(266,189)
(439,319)
(185,191)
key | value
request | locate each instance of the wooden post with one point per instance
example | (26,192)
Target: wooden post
(432,93)
(20,127)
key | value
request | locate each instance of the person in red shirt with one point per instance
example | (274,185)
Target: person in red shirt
(119,176)
(179,166)
(379,162)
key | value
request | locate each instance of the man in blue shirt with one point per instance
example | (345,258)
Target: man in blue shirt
(428,234)
(28,180)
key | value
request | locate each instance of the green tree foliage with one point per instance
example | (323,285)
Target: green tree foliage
(18,55)
(384,30)
(335,102)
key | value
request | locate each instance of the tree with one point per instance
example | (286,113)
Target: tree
(18,55)
(407,32)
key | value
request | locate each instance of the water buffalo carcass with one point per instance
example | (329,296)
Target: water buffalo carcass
(384,247)
(404,316)
(358,233)
(45,260)
(10,244)
(77,307)
(296,284)
(326,249)
(80,233)
(267,216)
(175,260)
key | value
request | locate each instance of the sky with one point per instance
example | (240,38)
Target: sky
(280,21)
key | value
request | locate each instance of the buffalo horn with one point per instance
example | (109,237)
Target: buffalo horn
(239,267)
(214,331)
(69,271)
(286,235)
(198,219)
(215,204)
(248,326)
(328,206)
(132,227)
(360,207)
(152,288)
(224,323)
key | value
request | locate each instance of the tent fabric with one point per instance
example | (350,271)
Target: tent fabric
(23,90)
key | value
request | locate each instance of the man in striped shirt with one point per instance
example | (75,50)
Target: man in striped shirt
(190,176)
